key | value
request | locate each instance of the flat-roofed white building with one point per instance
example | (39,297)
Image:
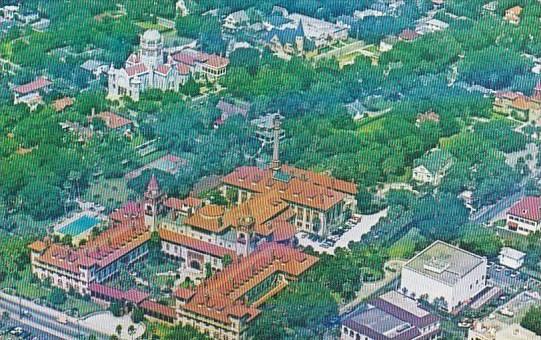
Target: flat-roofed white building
(511,258)
(443,271)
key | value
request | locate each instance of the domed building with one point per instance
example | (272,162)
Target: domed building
(149,68)
(146,69)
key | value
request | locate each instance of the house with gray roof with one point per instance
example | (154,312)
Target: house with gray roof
(432,167)
(444,274)
(391,316)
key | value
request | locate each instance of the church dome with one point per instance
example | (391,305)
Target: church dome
(152,35)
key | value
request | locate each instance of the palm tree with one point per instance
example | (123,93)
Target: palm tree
(131,331)
(118,330)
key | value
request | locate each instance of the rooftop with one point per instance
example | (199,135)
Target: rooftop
(444,262)
(512,253)
(528,207)
(36,85)
(221,296)
(391,316)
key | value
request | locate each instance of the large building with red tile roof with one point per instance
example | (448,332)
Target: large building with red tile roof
(149,69)
(67,267)
(224,305)
(319,202)
(256,236)
(525,216)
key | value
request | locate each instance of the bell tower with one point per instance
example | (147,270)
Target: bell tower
(153,198)
(245,235)
(275,164)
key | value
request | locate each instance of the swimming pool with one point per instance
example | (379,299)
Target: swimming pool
(79,226)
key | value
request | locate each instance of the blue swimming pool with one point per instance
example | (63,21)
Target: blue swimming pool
(79,226)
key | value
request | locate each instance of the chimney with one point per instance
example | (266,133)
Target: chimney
(275,165)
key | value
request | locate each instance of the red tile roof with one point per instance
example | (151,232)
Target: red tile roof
(529,208)
(179,204)
(37,246)
(133,295)
(195,244)
(163,69)
(113,121)
(158,308)
(33,86)
(183,69)
(217,61)
(111,245)
(61,104)
(136,70)
(183,293)
(408,35)
(221,296)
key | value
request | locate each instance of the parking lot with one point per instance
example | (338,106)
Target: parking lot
(352,230)
(511,281)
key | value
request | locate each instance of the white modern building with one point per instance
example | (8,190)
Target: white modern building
(511,258)
(444,273)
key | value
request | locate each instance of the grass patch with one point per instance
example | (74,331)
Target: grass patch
(406,246)
(109,192)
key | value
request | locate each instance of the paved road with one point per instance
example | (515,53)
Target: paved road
(44,318)
(36,332)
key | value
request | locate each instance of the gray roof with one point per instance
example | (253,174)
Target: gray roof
(91,65)
(444,262)
(512,253)
(378,324)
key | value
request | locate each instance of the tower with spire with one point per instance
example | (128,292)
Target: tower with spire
(537,92)
(275,164)
(153,198)
(299,37)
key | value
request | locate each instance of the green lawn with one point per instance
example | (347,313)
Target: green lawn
(405,247)
(110,193)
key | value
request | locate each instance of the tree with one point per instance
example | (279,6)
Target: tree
(57,296)
(227,260)
(137,315)
(208,270)
(116,309)
(118,330)
(131,331)
(532,320)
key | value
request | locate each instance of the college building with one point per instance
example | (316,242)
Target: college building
(149,68)
(444,274)
(391,316)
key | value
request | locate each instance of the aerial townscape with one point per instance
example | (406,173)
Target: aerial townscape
(270,169)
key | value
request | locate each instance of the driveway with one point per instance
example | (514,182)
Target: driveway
(354,234)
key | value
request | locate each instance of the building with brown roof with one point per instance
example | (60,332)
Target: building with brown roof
(519,105)
(319,202)
(61,104)
(512,15)
(224,305)
(67,267)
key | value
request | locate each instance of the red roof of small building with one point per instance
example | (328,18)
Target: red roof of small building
(33,86)
(529,208)
(136,70)
(158,308)
(61,104)
(112,120)
(217,61)
(408,35)
(195,244)
(183,69)
(163,69)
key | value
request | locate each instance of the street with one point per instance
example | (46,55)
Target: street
(43,318)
